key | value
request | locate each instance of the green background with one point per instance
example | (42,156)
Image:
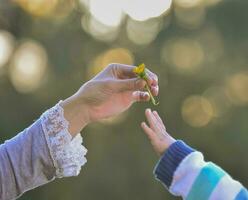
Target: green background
(120,158)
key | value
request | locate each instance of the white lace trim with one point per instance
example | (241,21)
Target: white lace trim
(68,153)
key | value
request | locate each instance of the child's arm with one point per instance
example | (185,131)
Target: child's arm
(183,171)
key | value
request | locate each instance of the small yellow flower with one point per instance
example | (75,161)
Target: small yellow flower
(140,71)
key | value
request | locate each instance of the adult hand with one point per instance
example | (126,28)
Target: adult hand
(109,93)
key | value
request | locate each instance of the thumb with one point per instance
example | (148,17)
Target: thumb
(132,84)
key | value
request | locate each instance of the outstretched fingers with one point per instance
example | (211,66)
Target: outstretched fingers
(155,113)
(150,118)
(148,131)
(156,132)
(153,123)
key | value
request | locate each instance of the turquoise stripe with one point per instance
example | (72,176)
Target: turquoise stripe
(205,182)
(242,195)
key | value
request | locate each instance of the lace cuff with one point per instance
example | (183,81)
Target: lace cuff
(67,152)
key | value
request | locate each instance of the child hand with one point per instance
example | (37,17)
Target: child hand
(156,132)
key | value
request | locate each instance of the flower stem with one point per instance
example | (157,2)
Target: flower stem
(151,96)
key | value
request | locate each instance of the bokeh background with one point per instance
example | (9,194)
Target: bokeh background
(198,48)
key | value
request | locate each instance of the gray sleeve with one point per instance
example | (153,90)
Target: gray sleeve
(39,154)
(25,162)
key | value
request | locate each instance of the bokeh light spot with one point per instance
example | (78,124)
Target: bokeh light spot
(237,88)
(143,33)
(185,55)
(197,111)
(143,10)
(217,96)
(99,30)
(188,3)
(28,66)
(108,12)
(38,7)
(117,55)
(6,47)
(212,2)
(190,14)
(46,8)
(212,42)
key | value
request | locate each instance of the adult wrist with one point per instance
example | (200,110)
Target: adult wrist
(76,113)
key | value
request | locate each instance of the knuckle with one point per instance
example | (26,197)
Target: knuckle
(114,66)
(139,83)
(155,77)
(111,65)
(132,84)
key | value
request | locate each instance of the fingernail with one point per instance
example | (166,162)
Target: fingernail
(155,88)
(144,94)
(147,94)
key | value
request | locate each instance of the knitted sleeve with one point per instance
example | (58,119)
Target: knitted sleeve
(183,171)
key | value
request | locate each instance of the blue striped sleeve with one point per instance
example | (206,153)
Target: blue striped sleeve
(206,181)
(242,195)
(169,162)
(185,173)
